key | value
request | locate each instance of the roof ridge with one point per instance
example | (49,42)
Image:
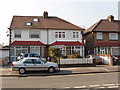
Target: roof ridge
(69,22)
(92,27)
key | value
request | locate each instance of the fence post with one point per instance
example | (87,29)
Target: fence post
(94,62)
(111,61)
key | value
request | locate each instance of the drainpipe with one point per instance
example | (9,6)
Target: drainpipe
(47,46)
(10,37)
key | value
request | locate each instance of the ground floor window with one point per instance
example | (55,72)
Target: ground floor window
(35,49)
(15,51)
(68,50)
(107,50)
(115,51)
(63,50)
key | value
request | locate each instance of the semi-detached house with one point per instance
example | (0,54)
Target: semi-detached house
(103,37)
(34,34)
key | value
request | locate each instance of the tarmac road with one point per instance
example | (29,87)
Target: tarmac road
(99,80)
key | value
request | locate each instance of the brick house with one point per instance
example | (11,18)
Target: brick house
(34,34)
(103,37)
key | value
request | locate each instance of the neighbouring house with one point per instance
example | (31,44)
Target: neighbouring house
(103,37)
(4,54)
(34,34)
(4,51)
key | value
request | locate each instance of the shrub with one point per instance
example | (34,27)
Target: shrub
(74,56)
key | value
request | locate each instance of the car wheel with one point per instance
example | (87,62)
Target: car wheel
(22,71)
(51,69)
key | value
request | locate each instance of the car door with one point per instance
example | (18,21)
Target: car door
(29,64)
(39,65)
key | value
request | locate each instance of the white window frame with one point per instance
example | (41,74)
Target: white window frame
(118,48)
(102,50)
(32,34)
(28,24)
(60,35)
(17,34)
(35,20)
(33,48)
(63,50)
(99,35)
(75,34)
(115,36)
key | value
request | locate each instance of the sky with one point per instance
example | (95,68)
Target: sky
(83,13)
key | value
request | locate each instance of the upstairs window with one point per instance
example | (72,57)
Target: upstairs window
(75,34)
(59,34)
(17,34)
(113,36)
(28,24)
(35,20)
(99,36)
(34,34)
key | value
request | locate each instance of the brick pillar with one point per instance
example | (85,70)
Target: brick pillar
(28,49)
(66,51)
(41,51)
(111,61)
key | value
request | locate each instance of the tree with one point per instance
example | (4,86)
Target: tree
(54,52)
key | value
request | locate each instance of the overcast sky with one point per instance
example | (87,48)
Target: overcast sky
(79,12)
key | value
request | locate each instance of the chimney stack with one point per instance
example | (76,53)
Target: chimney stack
(45,14)
(110,18)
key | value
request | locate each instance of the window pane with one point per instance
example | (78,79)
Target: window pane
(113,36)
(36,20)
(37,61)
(99,36)
(17,34)
(28,61)
(28,24)
(73,34)
(56,34)
(34,34)
(59,34)
(63,35)
(76,34)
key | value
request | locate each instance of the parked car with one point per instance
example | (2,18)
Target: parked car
(22,55)
(31,55)
(98,59)
(33,64)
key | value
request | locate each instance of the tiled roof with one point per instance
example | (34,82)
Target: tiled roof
(69,43)
(105,25)
(27,43)
(44,23)
(107,44)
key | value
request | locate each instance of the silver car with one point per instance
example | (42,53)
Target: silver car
(33,64)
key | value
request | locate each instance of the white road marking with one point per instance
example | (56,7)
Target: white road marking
(108,84)
(80,86)
(94,85)
(107,70)
(113,87)
(100,87)
(118,84)
(66,87)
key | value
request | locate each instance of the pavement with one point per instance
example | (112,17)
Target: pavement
(6,71)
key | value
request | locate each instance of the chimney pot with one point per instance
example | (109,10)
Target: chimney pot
(110,18)
(45,14)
